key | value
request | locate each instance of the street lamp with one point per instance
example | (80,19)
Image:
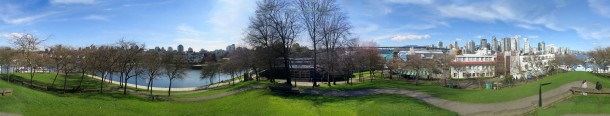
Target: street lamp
(540,94)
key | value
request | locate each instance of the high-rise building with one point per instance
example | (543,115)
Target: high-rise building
(170,49)
(180,48)
(484,44)
(471,46)
(506,43)
(526,46)
(455,44)
(542,47)
(190,50)
(440,44)
(494,44)
(514,44)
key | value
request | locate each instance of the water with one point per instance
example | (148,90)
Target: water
(192,78)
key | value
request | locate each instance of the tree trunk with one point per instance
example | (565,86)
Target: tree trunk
(256,72)
(169,92)
(56,74)
(82,77)
(151,83)
(125,85)
(65,80)
(102,83)
(287,69)
(315,63)
(31,75)
(136,84)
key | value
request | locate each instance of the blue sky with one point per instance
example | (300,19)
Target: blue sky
(214,24)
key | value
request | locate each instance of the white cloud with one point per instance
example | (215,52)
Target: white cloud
(13,14)
(96,17)
(458,39)
(363,28)
(529,27)
(72,1)
(188,30)
(228,20)
(533,37)
(26,19)
(593,33)
(600,7)
(401,38)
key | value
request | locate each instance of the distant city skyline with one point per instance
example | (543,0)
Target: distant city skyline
(216,24)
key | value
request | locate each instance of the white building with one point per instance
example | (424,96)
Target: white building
(532,65)
(480,64)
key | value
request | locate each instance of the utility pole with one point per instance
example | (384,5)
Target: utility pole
(540,94)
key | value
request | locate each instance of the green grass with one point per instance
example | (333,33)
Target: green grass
(257,102)
(479,96)
(221,89)
(73,80)
(592,104)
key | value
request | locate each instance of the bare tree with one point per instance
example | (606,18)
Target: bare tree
(59,56)
(130,54)
(443,64)
(394,64)
(274,26)
(151,62)
(27,44)
(7,57)
(419,65)
(313,13)
(372,57)
(599,57)
(106,62)
(174,66)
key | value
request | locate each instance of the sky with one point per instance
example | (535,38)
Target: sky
(215,24)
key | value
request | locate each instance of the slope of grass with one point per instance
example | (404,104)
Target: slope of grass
(592,104)
(257,102)
(480,96)
(221,89)
(46,79)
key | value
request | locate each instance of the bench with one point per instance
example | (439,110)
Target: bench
(588,90)
(6,91)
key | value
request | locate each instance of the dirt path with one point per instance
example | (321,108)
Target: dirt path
(218,95)
(8,114)
(515,107)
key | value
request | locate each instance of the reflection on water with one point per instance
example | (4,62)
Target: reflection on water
(192,78)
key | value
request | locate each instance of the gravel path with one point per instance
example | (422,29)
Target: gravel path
(8,114)
(515,107)
(218,95)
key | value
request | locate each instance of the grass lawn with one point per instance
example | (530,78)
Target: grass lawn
(578,104)
(221,89)
(480,96)
(73,80)
(257,102)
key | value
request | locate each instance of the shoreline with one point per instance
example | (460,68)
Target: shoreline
(165,89)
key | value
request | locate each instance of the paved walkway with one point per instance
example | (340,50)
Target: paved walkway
(516,107)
